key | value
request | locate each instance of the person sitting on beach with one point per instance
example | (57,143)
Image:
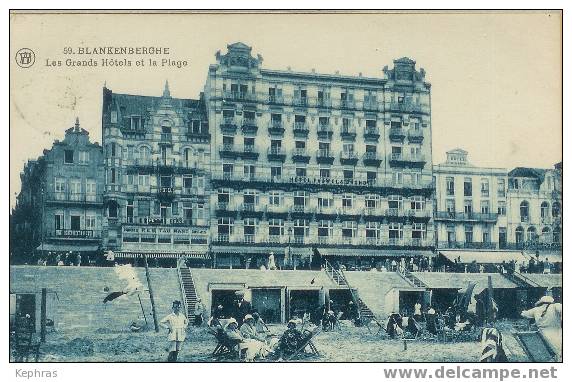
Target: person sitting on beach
(259,323)
(394,325)
(291,339)
(248,329)
(251,347)
(431,319)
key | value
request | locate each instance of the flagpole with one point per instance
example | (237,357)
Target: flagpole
(142,310)
(151,294)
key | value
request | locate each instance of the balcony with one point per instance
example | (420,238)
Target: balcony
(415,136)
(276,154)
(248,207)
(275,100)
(274,239)
(396,134)
(276,128)
(466,216)
(393,212)
(325,131)
(73,198)
(402,160)
(223,238)
(371,159)
(300,155)
(249,239)
(299,239)
(370,106)
(222,206)
(239,96)
(298,208)
(229,151)
(77,234)
(347,104)
(249,126)
(300,102)
(465,245)
(348,134)
(166,138)
(301,129)
(371,134)
(322,102)
(349,158)
(407,107)
(249,152)
(228,125)
(324,156)
(152,220)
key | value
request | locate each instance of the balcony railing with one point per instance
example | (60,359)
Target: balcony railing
(239,96)
(396,134)
(348,133)
(166,137)
(370,106)
(371,133)
(249,126)
(403,159)
(276,128)
(301,128)
(300,101)
(465,216)
(466,245)
(415,136)
(154,220)
(74,197)
(325,131)
(347,104)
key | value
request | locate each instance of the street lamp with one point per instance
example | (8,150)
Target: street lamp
(290,259)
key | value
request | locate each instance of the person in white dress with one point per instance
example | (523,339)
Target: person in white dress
(176,323)
(548,317)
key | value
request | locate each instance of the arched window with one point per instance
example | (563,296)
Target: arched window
(546,237)
(544,208)
(531,234)
(556,209)
(519,235)
(524,211)
(144,153)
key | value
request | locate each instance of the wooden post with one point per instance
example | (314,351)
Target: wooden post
(490,311)
(155,322)
(43,315)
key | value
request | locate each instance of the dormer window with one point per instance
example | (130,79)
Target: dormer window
(114,116)
(68,156)
(135,122)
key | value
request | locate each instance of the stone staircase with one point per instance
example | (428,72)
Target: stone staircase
(521,280)
(187,288)
(338,277)
(411,278)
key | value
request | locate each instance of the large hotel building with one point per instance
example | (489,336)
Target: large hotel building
(301,160)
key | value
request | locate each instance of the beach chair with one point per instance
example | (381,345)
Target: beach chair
(306,343)
(225,347)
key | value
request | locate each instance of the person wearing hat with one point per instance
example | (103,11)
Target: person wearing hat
(248,329)
(548,318)
(199,312)
(431,319)
(176,323)
(271,262)
(290,340)
(243,307)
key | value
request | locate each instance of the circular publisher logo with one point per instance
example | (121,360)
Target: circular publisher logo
(25,58)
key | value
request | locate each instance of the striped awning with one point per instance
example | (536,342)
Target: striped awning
(355,252)
(161,255)
(67,247)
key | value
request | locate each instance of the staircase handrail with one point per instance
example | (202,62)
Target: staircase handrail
(404,272)
(527,280)
(180,265)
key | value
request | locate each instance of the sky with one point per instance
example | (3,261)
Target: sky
(496,77)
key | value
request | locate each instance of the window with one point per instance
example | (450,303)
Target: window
(60,185)
(486,235)
(395,231)
(301,171)
(485,207)
(524,211)
(90,190)
(323,123)
(544,208)
(249,230)
(371,201)
(325,200)
(468,234)
(546,237)
(75,189)
(349,229)
(114,116)
(468,206)
(395,202)
(129,179)
(129,209)
(450,205)
(276,172)
(248,144)
(325,228)
(531,235)
(348,149)
(276,119)
(418,231)
(274,198)
(519,235)
(301,228)
(227,170)
(468,187)
(225,228)
(224,197)
(275,227)
(112,176)
(501,187)
(83,157)
(346,125)
(249,171)
(68,156)
(450,186)
(113,149)
(417,203)
(250,198)
(75,222)
(484,187)
(398,177)
(325,173)
(59,221)
(371,176)
(144,180)
(300,200)
(187,183)
(371,230)
(556,209)
(348,174)
(347,201)
(166,181)
(502,207)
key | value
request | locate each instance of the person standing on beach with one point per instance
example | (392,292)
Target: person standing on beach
(176,323)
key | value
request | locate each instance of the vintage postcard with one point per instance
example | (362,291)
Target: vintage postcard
(286,187)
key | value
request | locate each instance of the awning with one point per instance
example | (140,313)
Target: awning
(355,252)
(67,247)
(246,250)
(484,257)
(161,255)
